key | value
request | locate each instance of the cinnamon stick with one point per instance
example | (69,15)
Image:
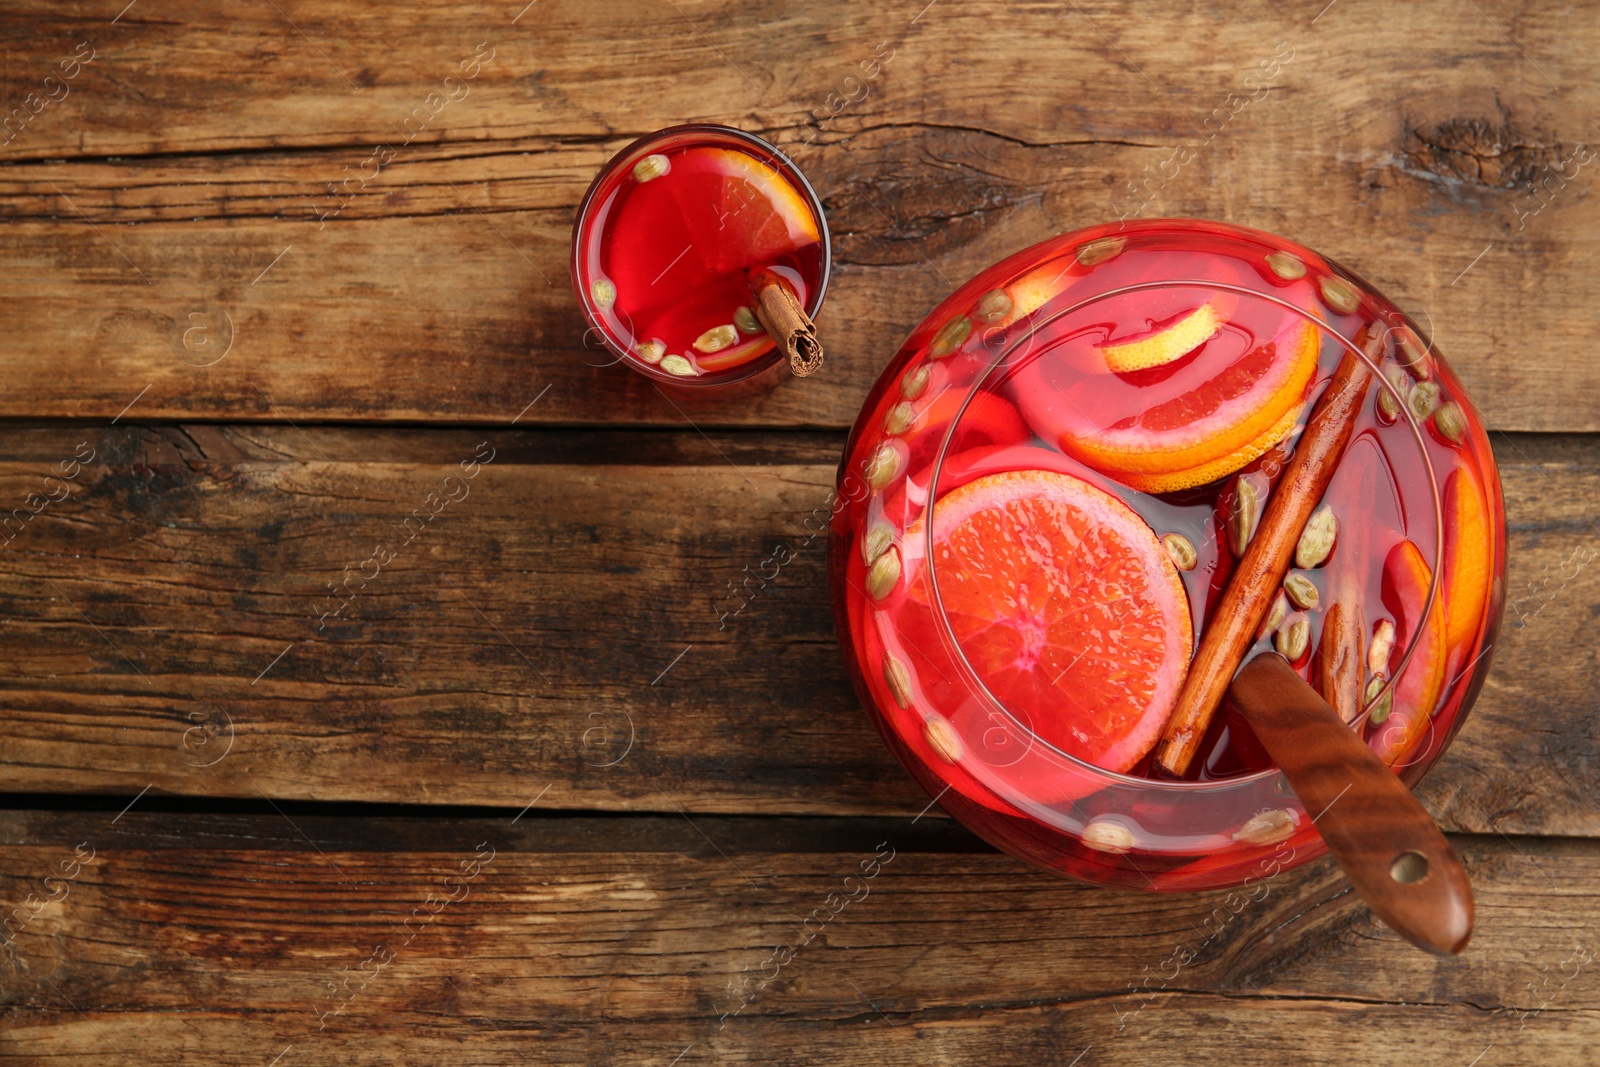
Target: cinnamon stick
(1255,581)
(1340,659)
(786,322)
(1341,656)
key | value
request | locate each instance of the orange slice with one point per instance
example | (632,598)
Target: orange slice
(759,214)
(1405,584)
(1067,607)
(988,419)
(1217,469)
(1042,284)
(743,352)
(1171,342)
(1467,544)
(1224,413)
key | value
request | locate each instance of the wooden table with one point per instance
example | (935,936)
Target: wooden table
(516,797)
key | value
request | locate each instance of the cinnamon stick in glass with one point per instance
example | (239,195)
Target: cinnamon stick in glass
(786,322)
(1255,581)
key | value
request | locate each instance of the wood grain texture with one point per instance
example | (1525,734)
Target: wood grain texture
(143,233)
(198,234)
(1371,822)
(577,597)
(207,955)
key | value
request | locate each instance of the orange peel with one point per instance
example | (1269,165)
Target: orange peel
(1164,346)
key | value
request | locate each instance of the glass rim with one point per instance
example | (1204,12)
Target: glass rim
(790,170)
(1001,359)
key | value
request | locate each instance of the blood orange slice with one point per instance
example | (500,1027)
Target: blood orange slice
(1226,409)
(1206,473)
(756,214)
(1192,420)
(988,419)
(1066,606)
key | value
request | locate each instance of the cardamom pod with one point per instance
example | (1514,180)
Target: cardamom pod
(1388,403)
(716,339)
(1317,539)
(1411,353)
(603,293)
(651,351)
(899,418)
(1382,647)
(915,382)
(746,320)
(1181,549)
(1451,421)
(1275,616)
(1380,714)
(1103,835)
(942,738)
(1302,591)
(1339,295)
(878,538)
(885,465)
(884,575)
(950,337)
(1388,407)
(1287,265)
(1293,637)
(1244,511)
(992,306)
(1099,251)
(1268,827)
(1424,399)
(679,366)
(651,167)
(898,677)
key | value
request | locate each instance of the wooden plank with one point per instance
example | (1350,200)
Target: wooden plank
(158,951)
(144,235)
(1212,1029)
(164,626)
(153,822)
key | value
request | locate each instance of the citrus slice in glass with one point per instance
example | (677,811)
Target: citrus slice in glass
(1157,348)
(1066,606)
(1406,576)
(1202,414)
(1468,540)
(741,211)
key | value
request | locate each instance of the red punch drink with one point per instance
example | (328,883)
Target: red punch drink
(1046,497)
(666,242)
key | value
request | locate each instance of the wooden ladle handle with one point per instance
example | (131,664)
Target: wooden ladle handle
(1383,838)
